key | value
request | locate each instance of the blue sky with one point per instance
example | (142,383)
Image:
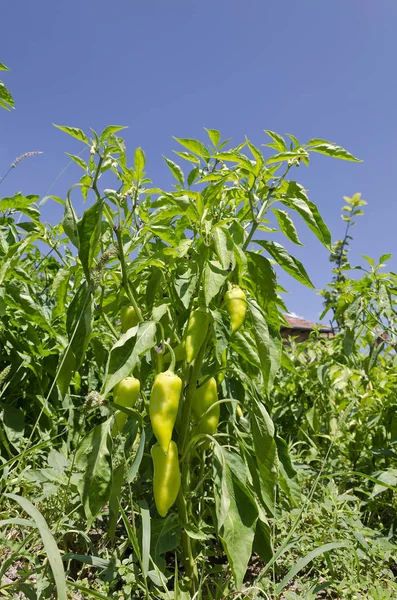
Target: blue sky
(311,68)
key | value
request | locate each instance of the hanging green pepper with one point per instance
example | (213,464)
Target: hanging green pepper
(204,397)
(236,306)
(167,477)
(128,318)
(163,406)
(196,332)
(125,393)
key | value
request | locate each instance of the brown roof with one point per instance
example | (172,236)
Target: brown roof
(298,323)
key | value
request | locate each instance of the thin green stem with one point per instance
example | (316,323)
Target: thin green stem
(109,324)
(258,219)
(126,284)
(172,353)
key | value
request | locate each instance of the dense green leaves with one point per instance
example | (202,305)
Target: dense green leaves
(64,349)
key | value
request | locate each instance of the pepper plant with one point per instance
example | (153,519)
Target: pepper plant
(159,336)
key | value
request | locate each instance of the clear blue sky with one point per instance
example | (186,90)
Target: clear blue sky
(312,68)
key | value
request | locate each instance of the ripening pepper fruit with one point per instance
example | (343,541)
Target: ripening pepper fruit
(196,332)
(125,393)
(204,396)
(163,406)
(128,318)
(167,477)
(236,306)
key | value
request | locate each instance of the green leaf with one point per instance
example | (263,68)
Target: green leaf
(278,140)
(257,154)
(126,352)
(139,161)
(388,477)
(17,202)
(110,130)
(187,156)
(175,170)
(6,99)
(78,134)
(287,226)
(13,255)
(166,535)
(214,277)
(246,348)
(238,528)
(14,423)
(268,345)
(289,155)
(263,277)
(78,160)
(221,489)
(79,320)
(70,222)
(288,479)
(49,543)
(194,146)
(136,463)
(290,264)
(195,533)
(93,457)
(222,332)
(265,451)
(194,173)
(296,199)
(115,490)
(185,284)
(224,247)
(3,67)
(330,149)
(89,229)
(303,562)
(214,135)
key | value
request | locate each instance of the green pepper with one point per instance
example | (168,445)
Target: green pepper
(125,393)
(163,406)
(128,317)
(204,398)
(167,477)
(236,306)
(196,332)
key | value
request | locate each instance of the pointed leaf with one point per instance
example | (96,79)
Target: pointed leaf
(268,344)
(296,198)
(93,457)
(194,146)
(278,140)
(265,451)
(330,149)
(78,134)
(214,135)
(290,264)
(89,229)
(287,226)
(175,170)
(126,352)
